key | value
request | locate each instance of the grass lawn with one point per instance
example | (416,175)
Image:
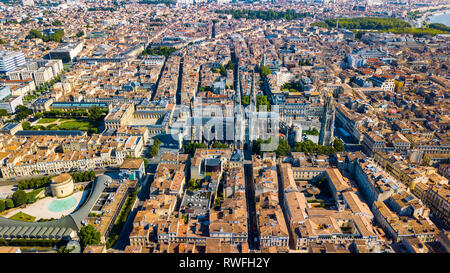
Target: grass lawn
(47,120)
(75,125)
(20,216)
(62,124)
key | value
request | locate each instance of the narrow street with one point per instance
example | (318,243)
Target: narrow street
(253,237)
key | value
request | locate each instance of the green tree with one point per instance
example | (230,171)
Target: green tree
(219,145)
(88,236)
(257,145)
(2,205)
(39,115)
(3,112)
(155,147)
(246,100)
(190,147)
(9,203)
(57,23)
(264,71)
(222,71)
(91,175)
(95,113)
(31,198)
(283,148)
(22,112)
(313,132)
(19,198)
(262,100)
(338,145)
(193,184)
(229,65)
(75,177)
(34,33)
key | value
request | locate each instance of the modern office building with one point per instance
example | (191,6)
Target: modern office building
(66,52)
(9,60)
(4,92)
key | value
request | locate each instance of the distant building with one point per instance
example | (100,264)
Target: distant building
(28,2)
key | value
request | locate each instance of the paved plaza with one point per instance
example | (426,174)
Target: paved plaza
(40,209)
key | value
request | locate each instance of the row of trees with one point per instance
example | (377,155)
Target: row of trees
(19,198)
(392,25)
(310,147)
(418,32)
(160,50)
(83,176)
(93,114)
(3,113)
(439,26)
(229,65)
(264,71)
(155,147)
(220,145)
(57,23)
(266,15)
(245,100)
(365,23)
(190,147)
(100,8)
(121,219)
(34,183)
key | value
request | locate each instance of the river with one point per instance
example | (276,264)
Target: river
(443,18)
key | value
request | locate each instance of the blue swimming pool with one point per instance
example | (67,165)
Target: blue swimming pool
(61,205)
